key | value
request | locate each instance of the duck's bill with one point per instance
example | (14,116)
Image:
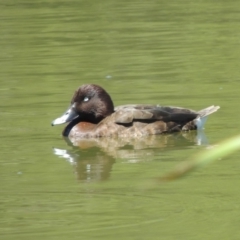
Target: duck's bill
(68,116)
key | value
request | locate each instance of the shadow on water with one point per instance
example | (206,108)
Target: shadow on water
(93,159)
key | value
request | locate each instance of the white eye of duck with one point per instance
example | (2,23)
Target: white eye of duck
(86,99)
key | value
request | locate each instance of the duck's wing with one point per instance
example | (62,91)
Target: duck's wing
(128,113)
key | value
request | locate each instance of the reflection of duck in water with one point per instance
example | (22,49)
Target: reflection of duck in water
(92,115)
(93,158)
(89,166)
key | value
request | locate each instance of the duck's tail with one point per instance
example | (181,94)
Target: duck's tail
(203,114)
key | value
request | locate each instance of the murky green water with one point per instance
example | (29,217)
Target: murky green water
(171,53)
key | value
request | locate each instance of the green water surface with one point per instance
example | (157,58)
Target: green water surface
(183,53)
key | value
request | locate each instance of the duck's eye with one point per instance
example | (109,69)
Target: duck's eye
(86,99)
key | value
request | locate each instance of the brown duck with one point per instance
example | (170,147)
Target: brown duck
(92,114)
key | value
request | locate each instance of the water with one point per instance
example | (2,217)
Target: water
(158,52)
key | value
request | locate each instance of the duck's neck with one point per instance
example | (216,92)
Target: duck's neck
(87,118)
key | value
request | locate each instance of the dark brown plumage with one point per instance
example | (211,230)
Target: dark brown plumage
(92,114)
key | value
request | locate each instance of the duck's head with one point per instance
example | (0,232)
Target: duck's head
(90,103)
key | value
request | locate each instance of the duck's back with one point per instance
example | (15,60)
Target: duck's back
(137,120)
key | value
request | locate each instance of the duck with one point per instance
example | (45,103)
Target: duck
(92,115)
